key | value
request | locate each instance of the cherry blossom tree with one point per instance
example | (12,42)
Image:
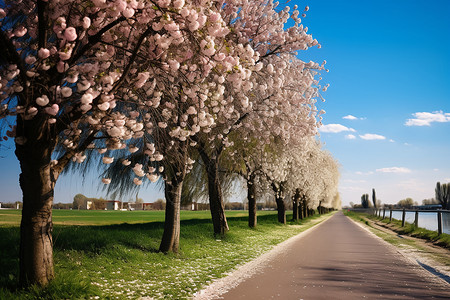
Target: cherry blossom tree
(110,77)
(313,178)
(260,29)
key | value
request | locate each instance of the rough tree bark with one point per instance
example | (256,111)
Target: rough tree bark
(295,205)
(37,181)
(215,198)
(305,208)
(279,198)
(251,197)
(171,236)
(216,205)
(172,190)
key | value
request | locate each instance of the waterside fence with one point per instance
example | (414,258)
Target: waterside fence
(435,220)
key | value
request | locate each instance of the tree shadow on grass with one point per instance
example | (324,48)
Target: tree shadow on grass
(95,240)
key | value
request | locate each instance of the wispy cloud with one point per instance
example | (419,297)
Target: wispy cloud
(335,128)
(350,137)
(372,136)
(414,185)
(363,173)
(394,170)
(354,181)
(352,188)
(426,118)
(351,117)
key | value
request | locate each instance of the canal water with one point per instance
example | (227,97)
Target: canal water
(427,220)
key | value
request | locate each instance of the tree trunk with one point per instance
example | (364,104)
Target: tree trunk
(171,236)
(215,193)
(279,198)
(172,190)
(281,210)
(37,181)
(300,209)
(251,197)
(295,203)
(305,209)
(215,198)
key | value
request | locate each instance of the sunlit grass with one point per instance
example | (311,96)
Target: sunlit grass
(121,261)
(409,229)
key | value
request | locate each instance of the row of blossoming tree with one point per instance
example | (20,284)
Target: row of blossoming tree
(145,87)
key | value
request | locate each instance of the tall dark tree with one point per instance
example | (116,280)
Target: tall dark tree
(365,200)
(442,194)
(374,198)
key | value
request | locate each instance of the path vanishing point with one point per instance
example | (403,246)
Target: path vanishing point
(337,259)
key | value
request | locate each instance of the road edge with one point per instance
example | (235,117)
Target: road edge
(429,271)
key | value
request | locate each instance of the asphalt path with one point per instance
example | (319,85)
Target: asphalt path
(340,260)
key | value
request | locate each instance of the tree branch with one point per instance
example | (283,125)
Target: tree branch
(94,39)
(133,57)
(9,55)
(42,23)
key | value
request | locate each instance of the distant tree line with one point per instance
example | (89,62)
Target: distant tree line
(442,197)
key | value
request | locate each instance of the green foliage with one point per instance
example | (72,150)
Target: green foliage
(79,200)
(442,192)
(429,201)
(365,201)
(122,261)
(406,203)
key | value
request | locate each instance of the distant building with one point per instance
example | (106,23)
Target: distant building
(113,205)
(88,205)
(147,206)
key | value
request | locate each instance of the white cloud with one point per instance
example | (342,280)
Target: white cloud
(426,118)
(392,141)
(335,128)
(372,136)
(350,137)
(354,181)
(447,179)
(362,173)
(394,170)
(350,117)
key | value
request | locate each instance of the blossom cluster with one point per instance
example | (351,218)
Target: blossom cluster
(139,77)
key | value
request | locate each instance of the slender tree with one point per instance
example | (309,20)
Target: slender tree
(442,194)
(374,198)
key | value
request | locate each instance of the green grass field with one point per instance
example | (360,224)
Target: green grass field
(110,217)
(104,258)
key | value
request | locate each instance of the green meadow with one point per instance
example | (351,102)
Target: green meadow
(110,217)
(114,254)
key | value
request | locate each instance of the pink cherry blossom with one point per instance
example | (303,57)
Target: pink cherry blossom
(52,110)
(70,34)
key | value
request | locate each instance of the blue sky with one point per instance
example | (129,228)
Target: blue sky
(388,61)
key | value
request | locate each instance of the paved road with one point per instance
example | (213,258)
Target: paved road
(340,260)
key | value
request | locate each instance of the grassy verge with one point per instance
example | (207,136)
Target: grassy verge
(121,261)
(110,217)
(442,240)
